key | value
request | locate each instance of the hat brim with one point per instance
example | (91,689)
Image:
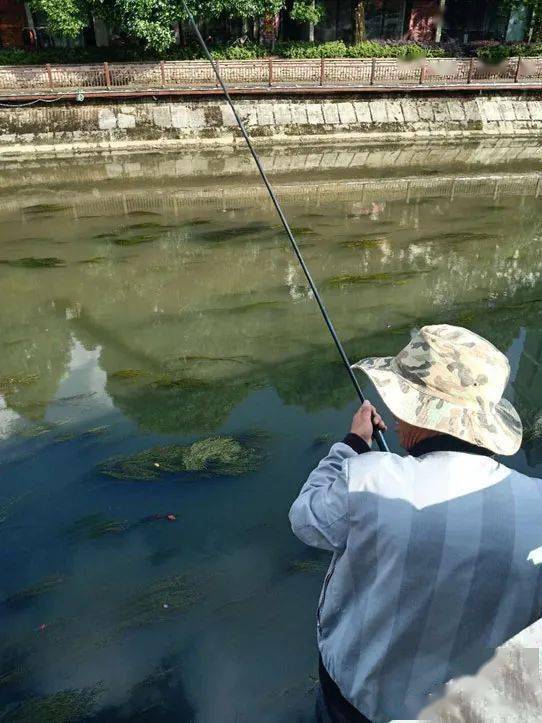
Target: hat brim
(496,427)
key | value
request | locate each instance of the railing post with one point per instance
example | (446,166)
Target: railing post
(107,75)
(217,63)
(270,71)
(422,72)
(518,68)
(162,73)
(322,71)
(471,70)
(49,74)
(373,71)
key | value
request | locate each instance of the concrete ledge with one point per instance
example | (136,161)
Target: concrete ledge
(100,126)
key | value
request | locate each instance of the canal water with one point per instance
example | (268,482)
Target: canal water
(152,303)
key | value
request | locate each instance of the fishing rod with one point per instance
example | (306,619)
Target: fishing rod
(378,434)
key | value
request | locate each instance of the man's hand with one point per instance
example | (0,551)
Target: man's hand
(365,421)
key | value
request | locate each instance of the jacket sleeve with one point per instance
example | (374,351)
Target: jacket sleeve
(319,516)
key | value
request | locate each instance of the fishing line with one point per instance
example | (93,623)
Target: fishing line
(378,434)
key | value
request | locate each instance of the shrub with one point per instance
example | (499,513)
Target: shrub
(305,50)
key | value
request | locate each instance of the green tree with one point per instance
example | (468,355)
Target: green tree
(148,21)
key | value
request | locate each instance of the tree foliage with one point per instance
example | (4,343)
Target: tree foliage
(148,21)
(306,11)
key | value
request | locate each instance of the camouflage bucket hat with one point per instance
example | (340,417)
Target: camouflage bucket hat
(450,380)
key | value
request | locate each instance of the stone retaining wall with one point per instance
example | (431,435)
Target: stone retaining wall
(103,126)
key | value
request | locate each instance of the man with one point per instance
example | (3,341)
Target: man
(433,563)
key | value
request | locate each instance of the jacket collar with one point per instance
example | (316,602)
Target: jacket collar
(447,443)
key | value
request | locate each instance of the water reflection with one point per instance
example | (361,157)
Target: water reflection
(174,311)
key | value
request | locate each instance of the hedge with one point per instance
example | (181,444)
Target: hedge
(248,51)
(491,52)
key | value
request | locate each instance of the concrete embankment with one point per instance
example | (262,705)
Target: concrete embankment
(109,125)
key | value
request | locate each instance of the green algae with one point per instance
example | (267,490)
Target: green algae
(134,240)
(239,233)
(25,597)
(158,602)
(94,527)
(364,243)
(168,381)
(87,433)
(149,225)
(93,260)
(12,383)
(399,277)
(127,375)
(40,208)
(224,456)
(63,707)
(33,262)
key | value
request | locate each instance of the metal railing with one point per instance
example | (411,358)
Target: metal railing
(268,73)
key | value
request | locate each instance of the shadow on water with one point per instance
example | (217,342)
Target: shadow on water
(173,591)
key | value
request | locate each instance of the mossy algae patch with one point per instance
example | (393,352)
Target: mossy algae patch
(400,277)
(33,262)
(40,208)
(94,527)
(127,375)
(215,456)
(158,603)
(28,595)
(12,383)
(65,706)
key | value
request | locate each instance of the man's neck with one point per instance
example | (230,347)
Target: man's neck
(446,443)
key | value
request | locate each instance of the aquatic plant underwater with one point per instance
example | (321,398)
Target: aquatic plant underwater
(216,456)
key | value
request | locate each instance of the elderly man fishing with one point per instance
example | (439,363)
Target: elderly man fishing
(433,563)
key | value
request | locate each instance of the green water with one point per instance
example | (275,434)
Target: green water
(152,301)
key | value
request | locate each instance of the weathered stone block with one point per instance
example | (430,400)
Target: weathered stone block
(379,111)
(363,112)
(282,113)
(456,110)
(331,113)
(161,116)
(425,111)
(265,114)
(521,109)
(395,111)
(106,119)
(472,111)
(506,110)
(185,117)
(125,120)
(314,114)
(228,119)
(299,113)
(441,113)
(347,114)
(535,108)
(409,110)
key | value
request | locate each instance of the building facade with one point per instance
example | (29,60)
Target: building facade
(425,20)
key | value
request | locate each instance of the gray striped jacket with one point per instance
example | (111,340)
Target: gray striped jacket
(437,561)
